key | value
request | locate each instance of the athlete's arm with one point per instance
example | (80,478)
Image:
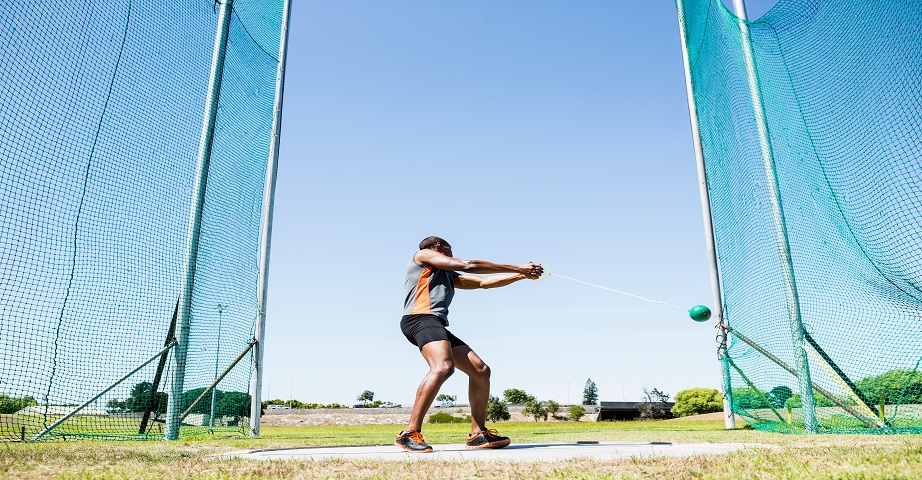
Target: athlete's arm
(470,282)
(444,262)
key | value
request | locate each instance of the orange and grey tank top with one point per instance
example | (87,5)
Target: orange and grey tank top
(429,290)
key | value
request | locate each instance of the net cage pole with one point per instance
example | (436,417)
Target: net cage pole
(174,407)
(266,230)
(729,419)
(781,235)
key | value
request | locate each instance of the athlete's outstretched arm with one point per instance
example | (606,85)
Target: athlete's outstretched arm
(444,262)
(470,282)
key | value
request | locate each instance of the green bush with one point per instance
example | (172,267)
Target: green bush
(819,400)
(443,417)
(497,410)
(534,408)
(696,401)
(576,412)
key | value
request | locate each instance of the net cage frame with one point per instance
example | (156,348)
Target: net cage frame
(98,167)
(756,78)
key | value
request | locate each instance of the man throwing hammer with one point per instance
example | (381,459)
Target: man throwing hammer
(432,277)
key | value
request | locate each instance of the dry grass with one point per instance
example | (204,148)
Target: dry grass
(793,457)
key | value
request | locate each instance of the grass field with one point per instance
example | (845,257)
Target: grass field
(787,456)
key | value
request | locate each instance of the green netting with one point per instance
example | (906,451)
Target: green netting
(841,87)
(102,108)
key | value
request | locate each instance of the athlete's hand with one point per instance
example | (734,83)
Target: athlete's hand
(532,271)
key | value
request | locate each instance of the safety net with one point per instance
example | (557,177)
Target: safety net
(103,106)
(837,88)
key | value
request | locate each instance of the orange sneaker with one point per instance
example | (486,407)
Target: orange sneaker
(487,439)
(412,441)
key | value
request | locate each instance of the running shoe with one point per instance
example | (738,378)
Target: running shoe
(487,439)
(412,441)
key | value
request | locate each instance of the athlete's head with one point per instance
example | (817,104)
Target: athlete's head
(437,244)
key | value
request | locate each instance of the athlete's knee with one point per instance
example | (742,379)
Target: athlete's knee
(483,371)
(443,369)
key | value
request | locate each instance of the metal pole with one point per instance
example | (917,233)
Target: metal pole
(568,390)
(214,392)
(110,387)
(155,386)
(781,234)
(756,390)
(729,419)
(195,219)
(266,234)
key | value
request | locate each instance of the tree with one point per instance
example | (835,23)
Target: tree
(576,412)
(516,396)
(655,405)
(366,396)
(655,395)
(744,397)
(497,410)
(236,404)
(552,407)
(203,406)
(590,393)
(10,404)
(116,405)
(696,401)
(897,386)
(143,399)
(779,395)
(444,397)
(533,408)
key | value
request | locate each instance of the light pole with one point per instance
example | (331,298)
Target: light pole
(214,391)
(568,390)
(268,388)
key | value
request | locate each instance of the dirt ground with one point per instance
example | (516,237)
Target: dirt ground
(376,416)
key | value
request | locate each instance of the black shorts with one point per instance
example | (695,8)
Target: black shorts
(421,329)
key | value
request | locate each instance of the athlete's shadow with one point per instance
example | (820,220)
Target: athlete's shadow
(586,444)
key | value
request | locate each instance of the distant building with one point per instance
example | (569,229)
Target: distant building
(625,410)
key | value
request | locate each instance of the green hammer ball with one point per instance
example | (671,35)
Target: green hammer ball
(700,313)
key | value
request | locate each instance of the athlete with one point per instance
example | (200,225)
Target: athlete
(432,277)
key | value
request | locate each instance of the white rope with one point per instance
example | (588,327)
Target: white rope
(616,291)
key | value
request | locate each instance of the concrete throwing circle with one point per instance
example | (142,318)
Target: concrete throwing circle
(519,452)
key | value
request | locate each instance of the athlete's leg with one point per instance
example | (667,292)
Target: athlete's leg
(441,366)
(478,374)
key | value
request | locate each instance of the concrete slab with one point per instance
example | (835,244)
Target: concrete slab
(520,452)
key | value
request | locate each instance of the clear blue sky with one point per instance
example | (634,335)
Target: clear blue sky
(546,131)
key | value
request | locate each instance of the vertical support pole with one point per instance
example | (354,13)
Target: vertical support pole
(174,407)
(217,356)
(729,419)
(155,386)
(781,234)
(266,234)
